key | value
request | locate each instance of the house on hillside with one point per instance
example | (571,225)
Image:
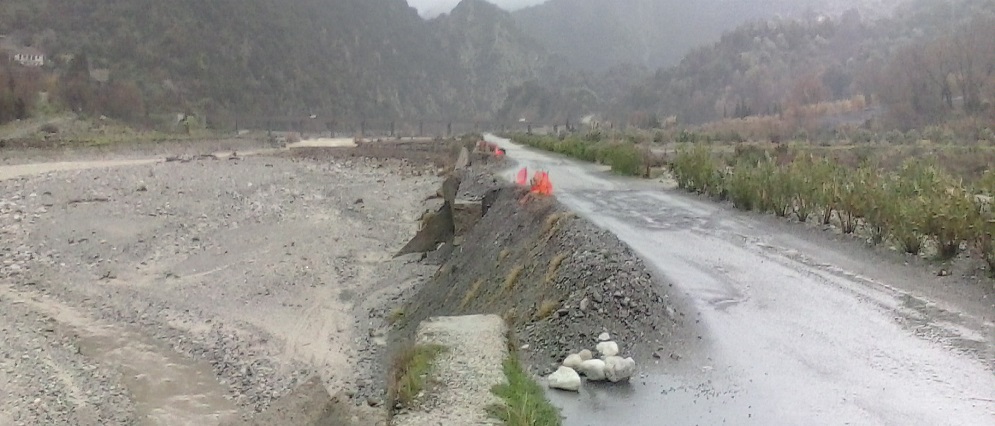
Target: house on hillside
(28,56)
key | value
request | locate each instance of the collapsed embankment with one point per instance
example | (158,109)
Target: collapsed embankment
(556,279)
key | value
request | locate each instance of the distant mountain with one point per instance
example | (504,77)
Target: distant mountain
(767,67)
(596,35)
(347,59)
(491,54)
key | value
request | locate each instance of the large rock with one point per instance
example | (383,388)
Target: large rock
(573,361)
(619,369)
(585,355)
(607,349)
(564,378)
(593,369)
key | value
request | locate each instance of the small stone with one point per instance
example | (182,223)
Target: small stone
(607,349)
(564,378)
(524,347)
(585,355)
(597,298)
(593,369)
(573,361)
(604,337)
(372,402)
(619,369)
(584,304)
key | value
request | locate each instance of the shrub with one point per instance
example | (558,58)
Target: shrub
(696,170)
(742,187)
(807,178)
(625,159)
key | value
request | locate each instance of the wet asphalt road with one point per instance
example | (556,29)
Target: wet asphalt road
(794,328)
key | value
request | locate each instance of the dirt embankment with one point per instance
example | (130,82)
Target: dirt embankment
(558,280)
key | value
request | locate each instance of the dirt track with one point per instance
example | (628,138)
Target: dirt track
(194,292)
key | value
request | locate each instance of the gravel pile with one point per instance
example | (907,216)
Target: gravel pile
(559,280)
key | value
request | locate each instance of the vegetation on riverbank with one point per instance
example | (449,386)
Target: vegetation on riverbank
(524,402)
(624,157)
(918,206)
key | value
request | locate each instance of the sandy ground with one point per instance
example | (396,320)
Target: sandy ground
(197,292)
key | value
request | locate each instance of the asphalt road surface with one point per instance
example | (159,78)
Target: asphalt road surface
(796,326)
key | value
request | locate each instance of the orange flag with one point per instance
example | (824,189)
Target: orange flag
(523,176)
(541,184)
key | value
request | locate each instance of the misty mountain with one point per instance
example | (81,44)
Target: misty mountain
(767,67)
(345,59)
(491,54)
(597,35)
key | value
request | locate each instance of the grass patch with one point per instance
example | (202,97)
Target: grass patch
(554,268)
(396,315)
(523,400)
(410,373)
(624,156)
(546,309)
(552,221)
(511,281)
(472,294)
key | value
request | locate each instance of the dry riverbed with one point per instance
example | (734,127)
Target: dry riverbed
(197,292)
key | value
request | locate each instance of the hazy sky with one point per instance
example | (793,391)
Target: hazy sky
(434,7)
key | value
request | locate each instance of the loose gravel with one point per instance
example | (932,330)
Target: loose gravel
(248,275)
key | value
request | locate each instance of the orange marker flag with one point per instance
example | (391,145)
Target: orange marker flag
(523,176)
(541,184)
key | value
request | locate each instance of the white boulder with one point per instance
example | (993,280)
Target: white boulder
(593,369)
(604,337)
(619,369)
(564,378)
(607,349)
(585,355)
(573,361)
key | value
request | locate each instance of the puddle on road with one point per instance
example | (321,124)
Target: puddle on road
(167,387)
(654,400)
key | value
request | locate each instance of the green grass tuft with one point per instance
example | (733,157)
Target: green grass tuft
(524,402)
(410,373)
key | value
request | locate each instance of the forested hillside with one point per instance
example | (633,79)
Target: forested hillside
(597,35)
(931,61)
(347,59)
